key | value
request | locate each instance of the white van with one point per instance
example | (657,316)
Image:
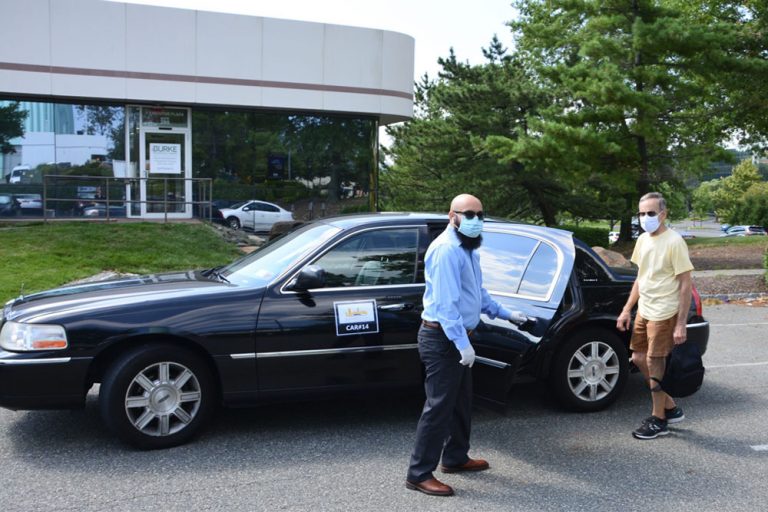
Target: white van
(18,173)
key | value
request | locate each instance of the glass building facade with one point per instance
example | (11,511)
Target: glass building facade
(148,161)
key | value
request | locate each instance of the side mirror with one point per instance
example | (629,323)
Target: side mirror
(311,276)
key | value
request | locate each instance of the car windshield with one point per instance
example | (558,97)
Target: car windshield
(266,263)
(238,205)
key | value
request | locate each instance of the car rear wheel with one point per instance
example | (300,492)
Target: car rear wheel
(157,396)
(590,371)
(233,222)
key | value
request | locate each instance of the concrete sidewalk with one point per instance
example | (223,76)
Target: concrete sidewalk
(729,272)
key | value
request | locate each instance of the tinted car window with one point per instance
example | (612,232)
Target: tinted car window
(269,261)
(587,269)
(504,258)
(372,258)
(540,273)
(264,207)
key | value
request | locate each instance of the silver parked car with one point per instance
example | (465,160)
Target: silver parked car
(745,231)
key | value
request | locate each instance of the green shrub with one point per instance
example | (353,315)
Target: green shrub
(590,236)
(752,208)
(281,192)
(765,265)
(356,208)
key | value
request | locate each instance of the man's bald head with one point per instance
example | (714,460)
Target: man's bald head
(464,202)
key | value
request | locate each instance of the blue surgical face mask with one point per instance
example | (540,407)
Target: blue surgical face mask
(649,224)
(471,227)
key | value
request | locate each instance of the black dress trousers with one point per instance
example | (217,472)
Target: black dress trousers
(446,420)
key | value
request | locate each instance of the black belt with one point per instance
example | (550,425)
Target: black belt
(436,325)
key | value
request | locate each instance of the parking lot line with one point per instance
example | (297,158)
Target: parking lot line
(760,447)
(734,365)
(729,325)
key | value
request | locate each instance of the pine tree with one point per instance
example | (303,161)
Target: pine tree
(638,86)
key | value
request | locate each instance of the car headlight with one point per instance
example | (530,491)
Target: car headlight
(21,337)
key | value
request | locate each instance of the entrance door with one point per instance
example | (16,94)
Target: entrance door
(165,163)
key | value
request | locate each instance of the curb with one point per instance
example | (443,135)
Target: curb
(728,297)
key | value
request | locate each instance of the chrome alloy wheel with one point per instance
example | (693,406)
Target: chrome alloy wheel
(163,399)
(593,371)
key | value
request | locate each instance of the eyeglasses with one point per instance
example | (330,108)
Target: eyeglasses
(470,214)
(649,214)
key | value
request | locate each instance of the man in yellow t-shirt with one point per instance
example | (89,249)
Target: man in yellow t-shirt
(662,292)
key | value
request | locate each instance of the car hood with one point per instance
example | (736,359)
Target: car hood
(50,305)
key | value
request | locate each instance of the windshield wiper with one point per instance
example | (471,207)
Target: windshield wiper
(215,273)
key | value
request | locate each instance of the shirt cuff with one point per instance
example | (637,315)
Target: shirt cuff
(503,313)
(462,343)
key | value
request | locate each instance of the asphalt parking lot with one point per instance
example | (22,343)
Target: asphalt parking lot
(352,454)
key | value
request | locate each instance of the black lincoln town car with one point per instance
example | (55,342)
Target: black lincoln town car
(333,306)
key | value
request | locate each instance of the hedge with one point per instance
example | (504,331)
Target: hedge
(765,265)
(590,236)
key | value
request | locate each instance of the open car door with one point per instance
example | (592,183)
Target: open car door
(527,272)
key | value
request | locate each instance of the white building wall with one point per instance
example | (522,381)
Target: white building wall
(96,49)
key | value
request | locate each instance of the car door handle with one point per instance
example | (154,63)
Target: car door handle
(396,307)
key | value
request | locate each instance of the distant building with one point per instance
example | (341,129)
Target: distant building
(723,169)
(171,96)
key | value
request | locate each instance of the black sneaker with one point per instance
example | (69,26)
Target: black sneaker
(651,428)
(674,415)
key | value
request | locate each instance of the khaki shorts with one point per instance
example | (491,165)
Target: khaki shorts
(656,338)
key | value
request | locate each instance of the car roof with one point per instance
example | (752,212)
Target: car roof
(352,221)
(247,201)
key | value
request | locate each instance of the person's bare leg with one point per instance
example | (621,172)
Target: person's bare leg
(661,400)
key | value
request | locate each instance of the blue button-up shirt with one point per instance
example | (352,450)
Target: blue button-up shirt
(454,295)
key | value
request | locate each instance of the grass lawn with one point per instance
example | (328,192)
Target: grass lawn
(735,241)
(726,246)
(39,256)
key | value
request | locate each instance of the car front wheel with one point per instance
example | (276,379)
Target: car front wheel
(233,222)
(590,370)
(157,396)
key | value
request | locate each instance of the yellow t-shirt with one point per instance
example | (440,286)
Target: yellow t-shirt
(659,260)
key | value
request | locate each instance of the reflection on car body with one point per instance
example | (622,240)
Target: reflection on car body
(282,323)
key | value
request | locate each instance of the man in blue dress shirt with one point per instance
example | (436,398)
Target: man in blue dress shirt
(454,298)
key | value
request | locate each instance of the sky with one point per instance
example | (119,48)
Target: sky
(436,25)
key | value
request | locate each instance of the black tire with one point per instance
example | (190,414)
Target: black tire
(157,396)
(590,370)
(233,222)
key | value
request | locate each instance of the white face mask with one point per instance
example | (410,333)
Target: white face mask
(649,224)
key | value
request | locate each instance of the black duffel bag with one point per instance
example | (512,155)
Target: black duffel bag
(685,371)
